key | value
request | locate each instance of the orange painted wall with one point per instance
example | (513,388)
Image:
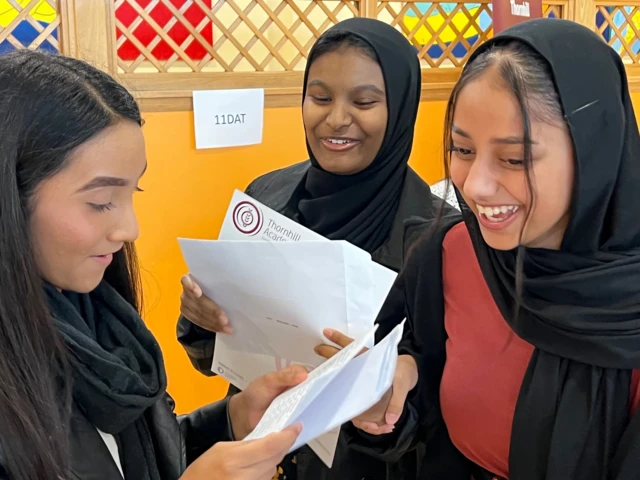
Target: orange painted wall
(186,195)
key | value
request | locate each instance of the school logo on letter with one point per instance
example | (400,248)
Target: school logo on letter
(247,218)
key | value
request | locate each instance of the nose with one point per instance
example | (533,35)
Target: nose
(127,229)
(339,117)
(481,182)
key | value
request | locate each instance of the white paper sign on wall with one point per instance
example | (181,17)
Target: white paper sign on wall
(228,118)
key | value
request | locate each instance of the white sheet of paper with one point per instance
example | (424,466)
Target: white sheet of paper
(248,219)
(293,402)
(341,389)
(280,296)
(228,118)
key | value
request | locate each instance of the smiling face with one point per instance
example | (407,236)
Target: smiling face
(487,167)
(345,110)
(84,214)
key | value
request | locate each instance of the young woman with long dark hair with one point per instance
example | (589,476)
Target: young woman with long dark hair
(82,380)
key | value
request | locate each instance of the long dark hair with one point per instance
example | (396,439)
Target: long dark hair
(523,72)
(49,105)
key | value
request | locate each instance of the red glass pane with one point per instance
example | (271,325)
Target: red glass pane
(178,33)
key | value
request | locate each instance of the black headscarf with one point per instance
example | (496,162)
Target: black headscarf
(360,208)
(581,304)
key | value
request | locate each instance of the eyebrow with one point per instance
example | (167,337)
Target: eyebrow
(313,83)
(369,87)
(513,140)
(102,182)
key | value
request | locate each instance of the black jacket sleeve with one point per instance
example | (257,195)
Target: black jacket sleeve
(205,427)
(198,343)
(178,440)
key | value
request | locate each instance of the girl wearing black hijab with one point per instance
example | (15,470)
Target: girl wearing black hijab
(360,102)
(525,313)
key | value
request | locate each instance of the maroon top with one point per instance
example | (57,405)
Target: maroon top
(486,361)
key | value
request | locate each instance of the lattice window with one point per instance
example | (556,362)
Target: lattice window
(620,27)
(222,35)
(29,24)
(444,34)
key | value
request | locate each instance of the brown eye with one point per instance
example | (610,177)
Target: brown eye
(515,163)
(463,152)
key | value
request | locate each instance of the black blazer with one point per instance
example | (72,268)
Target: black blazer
(178,441)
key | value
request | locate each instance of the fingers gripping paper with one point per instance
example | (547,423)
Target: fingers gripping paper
(340,389)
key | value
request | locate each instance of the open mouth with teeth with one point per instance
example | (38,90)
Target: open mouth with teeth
(498,213)
(339,144)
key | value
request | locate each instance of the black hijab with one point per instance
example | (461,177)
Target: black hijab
(360,208)
(581,304)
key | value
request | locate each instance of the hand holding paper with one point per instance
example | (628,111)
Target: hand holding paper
(381,418)
(248,407)
(200,309)
(339,390)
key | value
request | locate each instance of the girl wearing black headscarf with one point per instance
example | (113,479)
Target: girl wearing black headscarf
(360,102)
(525,316)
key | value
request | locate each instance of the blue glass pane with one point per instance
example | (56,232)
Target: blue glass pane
(5,47)
(484,19)
(473,40)
(25,33)
(600,20)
